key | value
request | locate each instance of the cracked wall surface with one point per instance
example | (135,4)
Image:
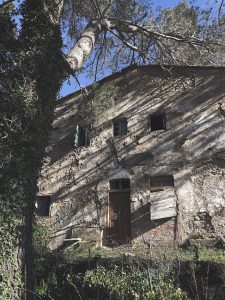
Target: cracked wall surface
(191,149)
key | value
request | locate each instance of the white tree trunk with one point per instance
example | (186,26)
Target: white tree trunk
(84,46)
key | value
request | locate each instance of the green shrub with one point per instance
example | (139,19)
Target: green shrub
(132,283)
(96,103)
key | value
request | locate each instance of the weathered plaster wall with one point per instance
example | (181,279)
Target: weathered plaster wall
(191,149)
(209,198)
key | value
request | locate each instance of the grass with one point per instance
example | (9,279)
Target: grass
(159,254)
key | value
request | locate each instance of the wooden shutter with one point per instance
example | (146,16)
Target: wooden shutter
(87,137)
(123,126)
(163,204)
(76,136)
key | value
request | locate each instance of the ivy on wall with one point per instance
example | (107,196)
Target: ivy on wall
(31,75)
(97,101)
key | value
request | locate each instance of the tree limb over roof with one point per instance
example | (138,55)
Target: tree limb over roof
(6,4)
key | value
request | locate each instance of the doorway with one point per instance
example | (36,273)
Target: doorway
(119,212)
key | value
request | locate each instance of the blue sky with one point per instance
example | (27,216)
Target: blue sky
(71,85)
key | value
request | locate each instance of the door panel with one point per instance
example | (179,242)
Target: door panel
(119,217)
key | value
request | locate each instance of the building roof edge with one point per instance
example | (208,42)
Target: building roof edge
(164,67)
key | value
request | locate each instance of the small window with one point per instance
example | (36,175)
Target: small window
(157,122)
(119,184)
(160,183)
(42,206)
(81,137)
(119,127)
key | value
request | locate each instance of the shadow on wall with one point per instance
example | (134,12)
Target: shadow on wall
(161,229)
(194,117)
(141,224)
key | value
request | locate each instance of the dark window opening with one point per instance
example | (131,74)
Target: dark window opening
(119,184)
(157,122)
(43,206)
(82,137)
(119,127)
(159,183)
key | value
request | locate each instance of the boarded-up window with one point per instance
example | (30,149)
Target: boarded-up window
(42,206)
(157,122)
(163,198)
(81,137)
(119,184)
(119,127)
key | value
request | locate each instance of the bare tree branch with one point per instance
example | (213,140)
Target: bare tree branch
(219,12)
(82,88)
(81,51)
(6,4)
(54,13)
(97,7)
(121,37)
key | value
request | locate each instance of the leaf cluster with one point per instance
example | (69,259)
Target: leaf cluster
(97,101)
(133,283)
(31,72)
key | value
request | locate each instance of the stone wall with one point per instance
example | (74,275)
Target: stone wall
(191,149)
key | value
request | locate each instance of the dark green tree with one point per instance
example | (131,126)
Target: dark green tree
(32,69)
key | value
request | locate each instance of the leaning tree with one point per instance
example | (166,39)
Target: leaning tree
(125,32)
(34,63)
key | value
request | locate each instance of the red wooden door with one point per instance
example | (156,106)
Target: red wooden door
(119,217)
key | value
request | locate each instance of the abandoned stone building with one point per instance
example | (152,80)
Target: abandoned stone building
(138,157)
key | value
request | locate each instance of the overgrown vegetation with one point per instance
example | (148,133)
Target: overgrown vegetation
(131,282)
(128,277)
(29,83)
(93,273)
(97,101)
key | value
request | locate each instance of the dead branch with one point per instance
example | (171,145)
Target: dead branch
(219,12)
(97,7)
(6,4)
